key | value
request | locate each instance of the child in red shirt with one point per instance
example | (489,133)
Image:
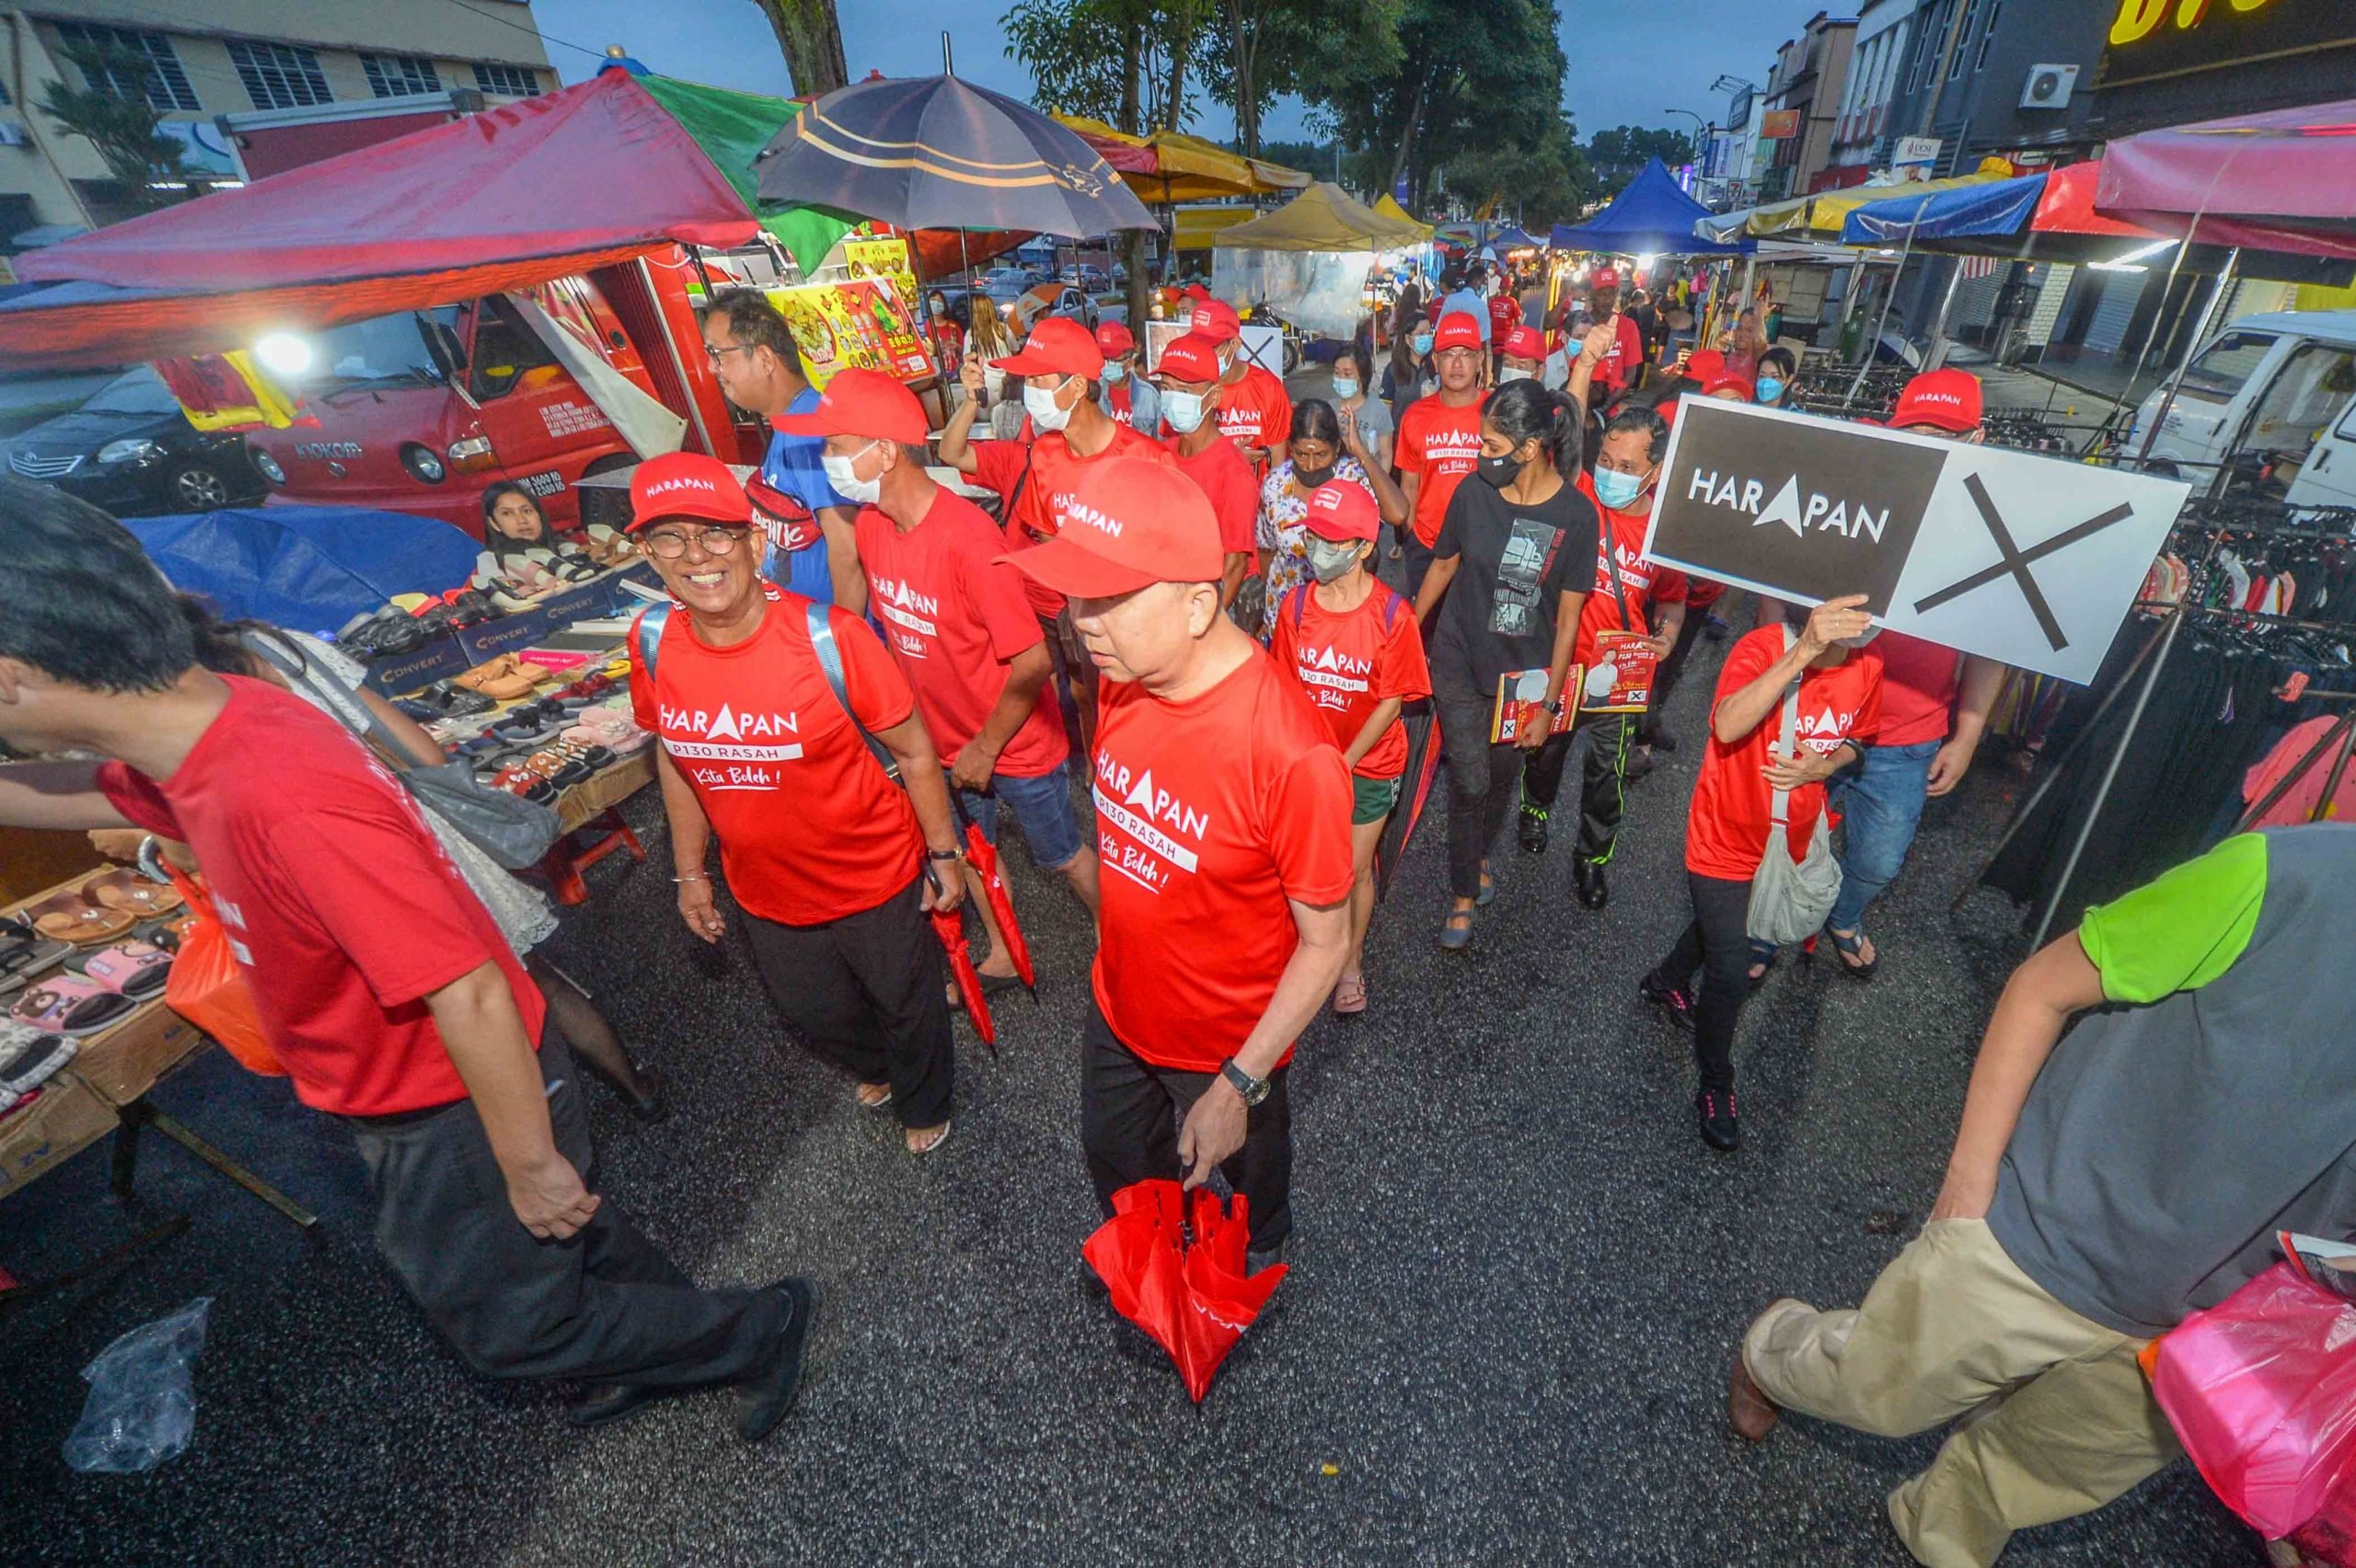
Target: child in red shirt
(1355,648)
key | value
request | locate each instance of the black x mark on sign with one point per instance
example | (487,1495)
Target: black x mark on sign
(2016,561)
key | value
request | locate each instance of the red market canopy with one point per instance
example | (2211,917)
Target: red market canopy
(2282,181)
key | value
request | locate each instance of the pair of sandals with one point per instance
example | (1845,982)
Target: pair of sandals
(443,700)
(108,989)
(28,1058)
(539,775)
(605,547)
(1456,930)
(1849,951)
(101,909)
(868,1101)
(609,728)
(25,952)
(504,678)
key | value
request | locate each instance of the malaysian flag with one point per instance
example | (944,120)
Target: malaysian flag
(1976,267)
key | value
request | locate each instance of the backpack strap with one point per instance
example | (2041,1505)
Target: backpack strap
(1390,607)
(651,622)
(1297,601)
(830,665)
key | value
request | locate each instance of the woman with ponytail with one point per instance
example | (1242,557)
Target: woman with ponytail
(1523,543)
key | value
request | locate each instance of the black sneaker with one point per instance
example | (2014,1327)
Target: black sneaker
(1586,880)
(763,1400)
(1713,1110)
(1671,999)
(1533,828)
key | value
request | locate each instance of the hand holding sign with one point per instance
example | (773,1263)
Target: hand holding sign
(1836,620)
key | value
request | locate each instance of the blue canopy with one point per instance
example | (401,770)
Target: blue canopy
(306,567)
(2000,207)
(1651,217)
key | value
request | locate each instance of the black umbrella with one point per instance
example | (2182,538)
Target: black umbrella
(936,152)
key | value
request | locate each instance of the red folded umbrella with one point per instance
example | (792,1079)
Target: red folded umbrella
(1182,1284)
(983,856)
(949,925)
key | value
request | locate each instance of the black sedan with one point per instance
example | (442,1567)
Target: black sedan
(131,451)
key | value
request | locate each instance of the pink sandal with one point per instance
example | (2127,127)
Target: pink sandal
(1349,995)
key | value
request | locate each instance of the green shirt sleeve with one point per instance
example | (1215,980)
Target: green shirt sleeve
(2182,931)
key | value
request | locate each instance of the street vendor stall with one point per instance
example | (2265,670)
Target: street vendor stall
(1309,260)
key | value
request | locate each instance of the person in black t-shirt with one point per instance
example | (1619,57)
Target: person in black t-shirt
(1523,544)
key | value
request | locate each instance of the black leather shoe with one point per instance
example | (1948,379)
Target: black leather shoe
(1533,829)
(1586,876)
(1713,1110)
(1663,742)
(602,1404)
(763,1400)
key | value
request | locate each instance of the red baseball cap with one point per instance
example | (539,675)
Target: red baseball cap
(1194,291)
(1216,319)
(1340,509)
(1736,377)
(1523,342)
(1944,399)
(861,402)
(1113,340)
(1505,310)
(1603,277)
(1127,529)
(1058,346)
(1193,359)
(1703,363)
(1457,330)
(686,484)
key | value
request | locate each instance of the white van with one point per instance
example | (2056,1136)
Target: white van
(2273,397)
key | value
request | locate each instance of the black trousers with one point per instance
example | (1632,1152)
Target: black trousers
(605,1305)
(1718,944)
(1665,673)
(1603,777)
(1129,1111)
(866,993)
(1482,782)
(1419,559)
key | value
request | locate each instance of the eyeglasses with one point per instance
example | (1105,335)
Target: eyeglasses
(671,543)
(712,355)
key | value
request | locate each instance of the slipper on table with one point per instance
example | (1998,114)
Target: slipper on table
(128,969)
(64,917)
(25,952)
(129,890)
(71,1005)
(29,1058)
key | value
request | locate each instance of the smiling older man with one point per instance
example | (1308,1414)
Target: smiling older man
(778,717)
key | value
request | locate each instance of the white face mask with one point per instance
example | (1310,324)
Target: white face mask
(866,492)
(1184,410)
(1511,374)
(1046,413)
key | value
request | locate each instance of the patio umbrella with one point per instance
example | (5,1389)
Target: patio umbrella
(936,152)
(982,855)
(1175,1269)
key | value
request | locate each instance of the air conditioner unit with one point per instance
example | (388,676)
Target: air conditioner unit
(12,134)
(2048,87)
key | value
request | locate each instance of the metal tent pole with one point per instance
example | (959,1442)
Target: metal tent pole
(1938,348)
(1866,361)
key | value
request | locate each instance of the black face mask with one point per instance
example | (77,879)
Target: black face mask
(1310,478)
(1498,471)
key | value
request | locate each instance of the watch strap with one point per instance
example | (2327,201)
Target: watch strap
(1253,1091)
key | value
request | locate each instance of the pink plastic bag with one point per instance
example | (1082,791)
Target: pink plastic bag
(2261,1388)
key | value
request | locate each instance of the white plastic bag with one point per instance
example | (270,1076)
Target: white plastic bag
(142,1408)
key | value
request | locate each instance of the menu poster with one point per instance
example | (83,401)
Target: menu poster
(860,322)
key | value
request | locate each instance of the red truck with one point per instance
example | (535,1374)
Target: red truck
(419,412)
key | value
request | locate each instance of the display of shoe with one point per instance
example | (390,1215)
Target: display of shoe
(1713,1114)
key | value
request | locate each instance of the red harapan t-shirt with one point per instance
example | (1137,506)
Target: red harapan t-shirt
(810,828)
(1443,444)
(1255,411)
(1224,477)
(1210,815)
(1919,681)
(338,901)
(1725,831)
(1644,583)
(1349,662)
(955,617)
(1048,493)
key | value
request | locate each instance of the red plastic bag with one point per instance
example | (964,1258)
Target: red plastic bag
(2261,1388)
(207,988)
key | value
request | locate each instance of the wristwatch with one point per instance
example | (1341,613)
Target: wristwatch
(1253,1091)
(1553,709)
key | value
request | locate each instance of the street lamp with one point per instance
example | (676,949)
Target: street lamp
(1700,130)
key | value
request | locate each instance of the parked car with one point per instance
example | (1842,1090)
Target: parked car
(1054,299)
(2272,398)
(1092,278)
(131,451)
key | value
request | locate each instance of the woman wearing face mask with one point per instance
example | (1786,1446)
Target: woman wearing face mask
(1313,455)
(1521,353)
(1523,539)
(1190,390)
(1129,396)
(1820,652)
(943,336)
(1410,375)
(989,339)
(1354,647)
(1776,368)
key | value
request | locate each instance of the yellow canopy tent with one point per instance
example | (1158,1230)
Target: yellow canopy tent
(1391,209)
(1198,226)
(1325,217)
(1188,169)
(1309,261)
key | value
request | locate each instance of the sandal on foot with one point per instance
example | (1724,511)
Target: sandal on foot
(940,1137)
(1456,930)
(869,1103)
(1851,948)
(1349,995)
(1762,955)
(1488,890)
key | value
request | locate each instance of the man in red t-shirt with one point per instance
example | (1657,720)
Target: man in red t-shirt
(1192,395)
(1129,397)
(1628,588)
(1223,817)
(1439,438)
(1817,655)
(386,988)
(1358,652)
(958,624)
(775,717)
(1917,755)
(1255,412)
(1060,369)
(1620,346)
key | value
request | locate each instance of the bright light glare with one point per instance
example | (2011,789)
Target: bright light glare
(1645,262)
(285,353)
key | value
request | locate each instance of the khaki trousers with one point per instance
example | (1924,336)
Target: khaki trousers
(2057,1422)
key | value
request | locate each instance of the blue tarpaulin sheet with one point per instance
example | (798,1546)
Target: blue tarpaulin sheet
(306,567)
(1651,217)
(2000,207)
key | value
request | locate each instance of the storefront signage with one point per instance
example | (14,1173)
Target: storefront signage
(2151,38)
(2030,560)
(1779,124)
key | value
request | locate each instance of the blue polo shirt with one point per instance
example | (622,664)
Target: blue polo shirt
(793,466)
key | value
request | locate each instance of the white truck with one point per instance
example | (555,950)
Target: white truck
(2272,399)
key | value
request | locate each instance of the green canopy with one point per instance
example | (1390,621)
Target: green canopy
(732,128)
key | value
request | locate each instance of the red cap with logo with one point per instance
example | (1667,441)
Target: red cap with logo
(1216,319)
(1523,343)
(1128,527)
(1340,509)
(1058,346)
(1603,277)
(686,484)
(1734,376)
(861,402)
(1944,399)
(1113,340)
(1193,359)
(1457,330)
(1195,292)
